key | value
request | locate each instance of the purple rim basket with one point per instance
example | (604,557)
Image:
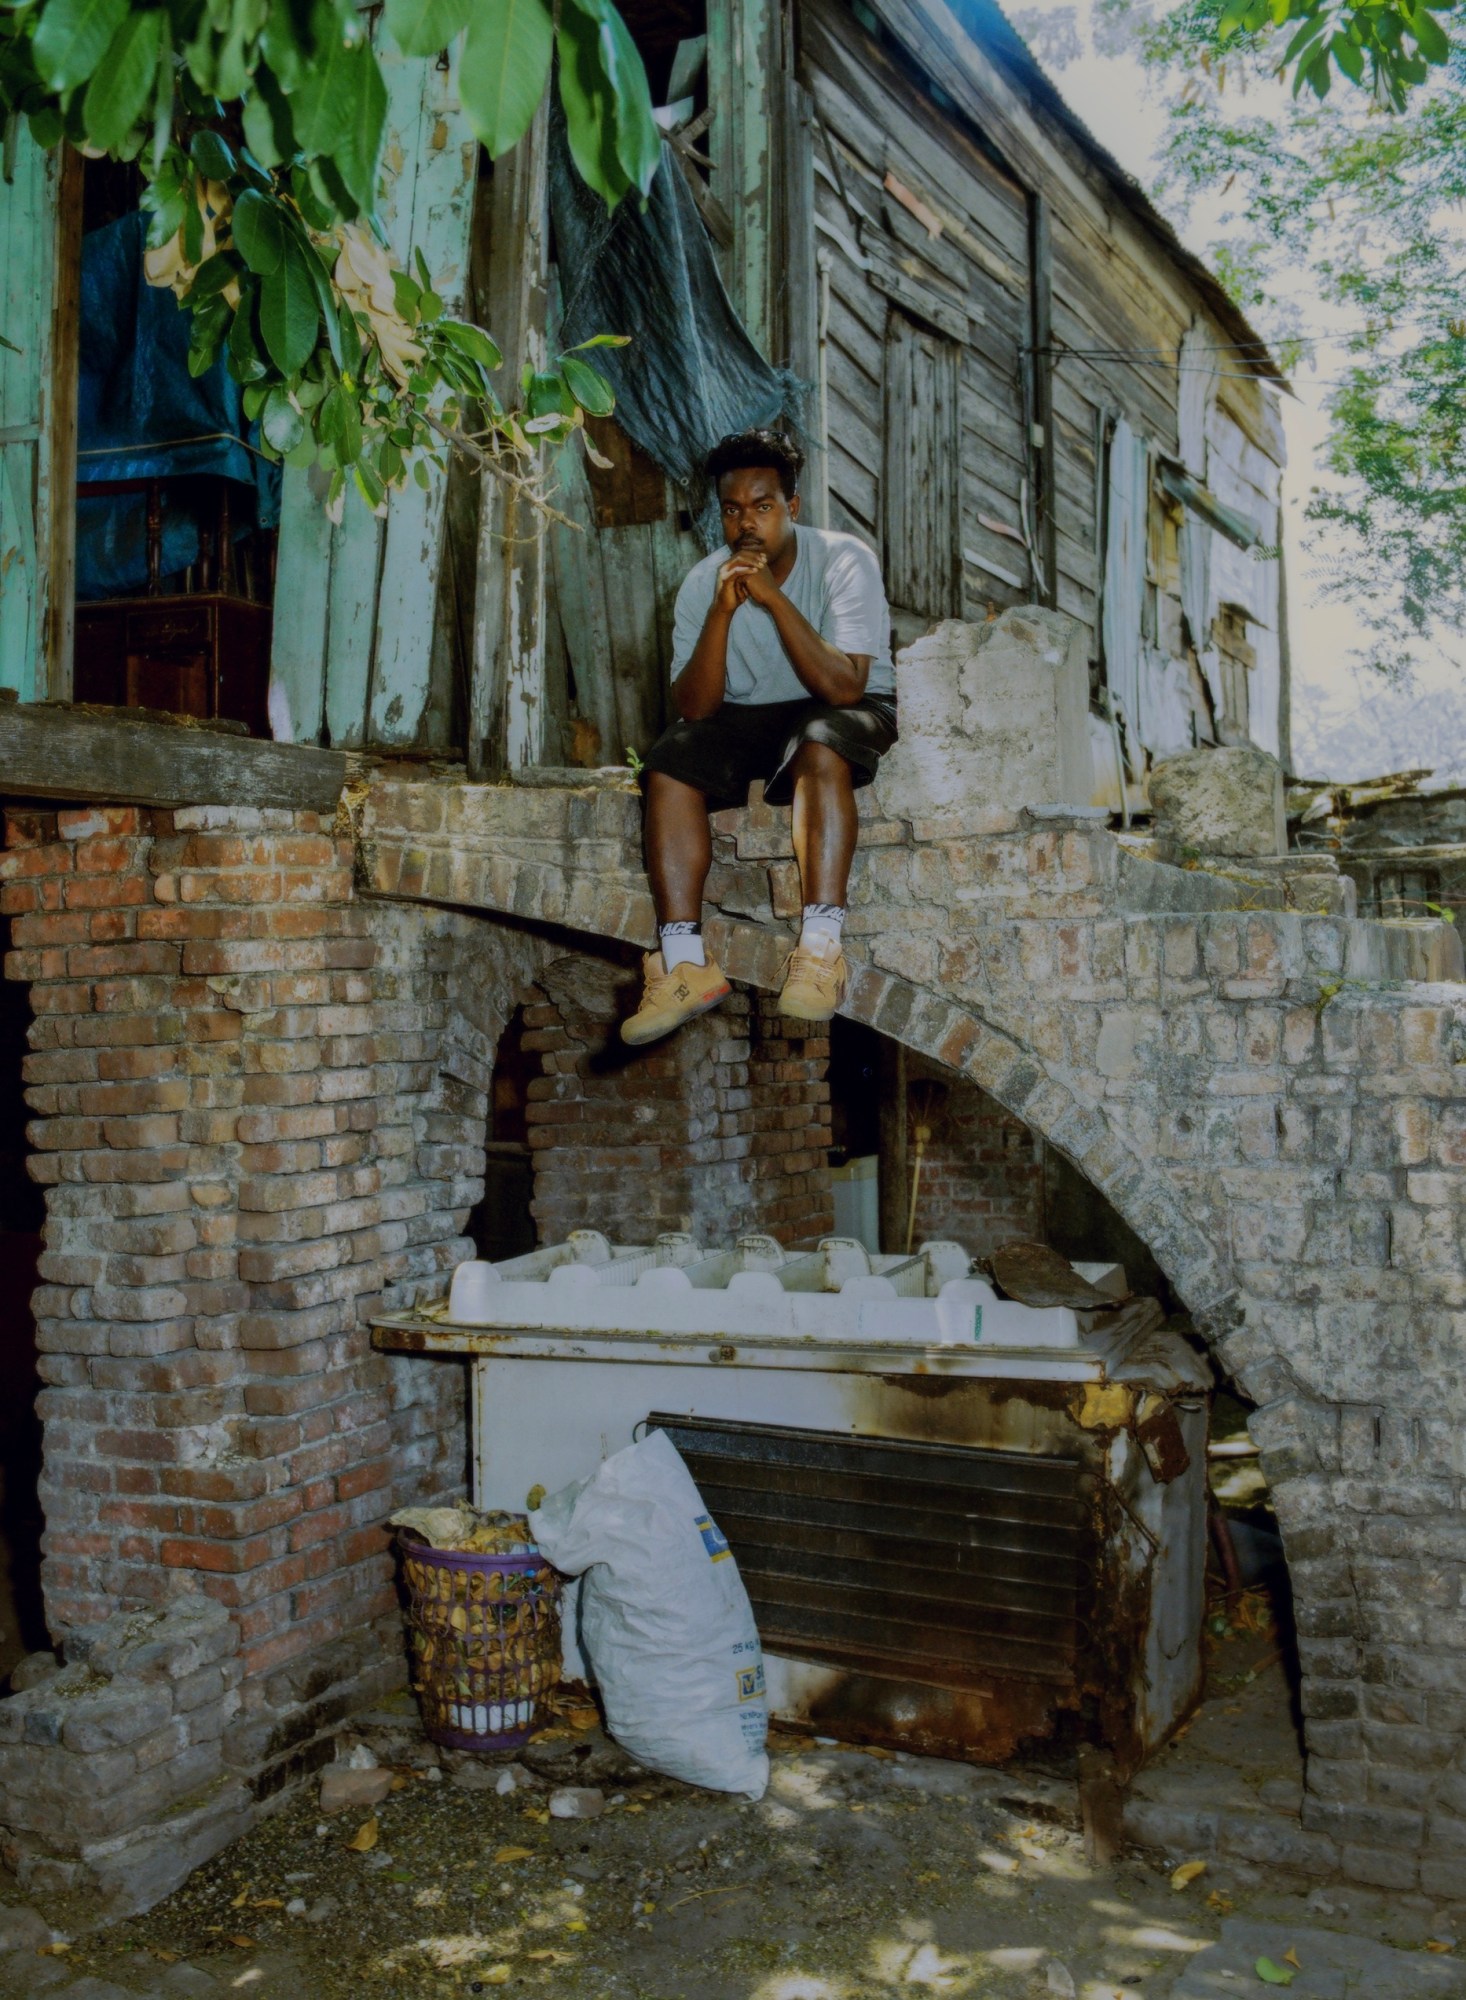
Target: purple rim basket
(484,1632)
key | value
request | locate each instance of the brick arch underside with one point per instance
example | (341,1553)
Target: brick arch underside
(959,1039)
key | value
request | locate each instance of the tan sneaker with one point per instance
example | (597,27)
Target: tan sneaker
(670,998)
(814,983)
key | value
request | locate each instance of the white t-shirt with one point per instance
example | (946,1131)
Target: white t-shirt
(835,583)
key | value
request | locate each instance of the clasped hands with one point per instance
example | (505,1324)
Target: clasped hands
(746,576)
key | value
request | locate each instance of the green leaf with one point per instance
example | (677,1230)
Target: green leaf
(212,276)
(1349,57)
(1273,1975)
(1231,18)
(326,298)
(281,424)
(122,83)
(260,231)
(369,485)
(588,386)
(211,155)
(358,146)
(614,139)
(320,96)
(193,225)
(638,136)
(246,363)
(1435,44)
(290,314)
(71,36)
(472,341)
(269,129)
(422,27)
(604,340)
(504,68)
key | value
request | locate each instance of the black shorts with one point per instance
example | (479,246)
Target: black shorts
(723,754)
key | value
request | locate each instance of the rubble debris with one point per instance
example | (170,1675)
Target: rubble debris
(341,1786)
(1219,801)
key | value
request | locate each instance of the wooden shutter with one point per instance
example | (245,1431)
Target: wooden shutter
(921,482)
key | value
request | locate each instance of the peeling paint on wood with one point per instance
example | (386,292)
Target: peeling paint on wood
(355,605)
(37,419)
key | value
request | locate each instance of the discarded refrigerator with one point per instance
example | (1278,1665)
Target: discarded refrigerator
(964,1523)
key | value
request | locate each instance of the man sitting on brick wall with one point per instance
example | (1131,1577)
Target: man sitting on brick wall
(781,670)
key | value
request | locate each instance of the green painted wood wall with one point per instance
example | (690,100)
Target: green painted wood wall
(36,464)
(355,604)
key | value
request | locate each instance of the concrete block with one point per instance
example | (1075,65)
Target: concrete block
(1219,801)
(991,715)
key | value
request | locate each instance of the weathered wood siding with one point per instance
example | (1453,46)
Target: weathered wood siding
(881,153)
(931,203)
(39,237)
(355,603)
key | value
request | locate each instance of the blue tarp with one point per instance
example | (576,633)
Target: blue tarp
(692,374)
(141,415)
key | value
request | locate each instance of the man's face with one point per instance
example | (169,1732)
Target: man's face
(756,514)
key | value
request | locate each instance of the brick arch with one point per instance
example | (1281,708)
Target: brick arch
(956,1036)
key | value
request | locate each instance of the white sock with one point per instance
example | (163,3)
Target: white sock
(681,944)
(822,926)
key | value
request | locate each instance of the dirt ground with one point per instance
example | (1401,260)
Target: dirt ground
(858,1875)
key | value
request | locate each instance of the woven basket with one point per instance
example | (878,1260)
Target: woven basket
(484,1631)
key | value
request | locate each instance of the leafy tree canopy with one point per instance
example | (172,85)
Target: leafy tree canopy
(1342,238)
(258,126)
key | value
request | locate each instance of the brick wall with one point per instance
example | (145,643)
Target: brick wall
(260,1111)
(1273,1100)
(722,1129)
(982,1169)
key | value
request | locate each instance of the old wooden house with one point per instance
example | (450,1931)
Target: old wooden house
(1013,381)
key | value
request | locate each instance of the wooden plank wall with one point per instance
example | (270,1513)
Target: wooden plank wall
(1118,308)
(355,604)
(40,239)
(874,127)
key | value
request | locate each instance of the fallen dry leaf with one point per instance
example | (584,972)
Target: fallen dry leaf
(539,1818)
(168,1957)
(400,1784)
(365,1837)
(551,1957)
(577,1924)
(268,1903)
(1290,1957)
(240,1942)
(53,1950)
(514,1854)
(1438,1944)
(1217,1901)
(495,1975)
(241,1899)
(1187,1873)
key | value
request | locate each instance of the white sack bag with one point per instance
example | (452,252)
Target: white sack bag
(664,1619)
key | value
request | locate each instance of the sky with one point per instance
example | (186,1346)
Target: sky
(1345,724)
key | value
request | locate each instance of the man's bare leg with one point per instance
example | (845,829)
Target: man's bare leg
(679,852)
(825,829)
(679,848)
(825,822)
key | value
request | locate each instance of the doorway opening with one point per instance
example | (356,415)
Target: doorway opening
(503,1223)
(22,1218)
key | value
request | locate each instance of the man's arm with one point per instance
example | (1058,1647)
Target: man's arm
(830,675)
(700,688)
